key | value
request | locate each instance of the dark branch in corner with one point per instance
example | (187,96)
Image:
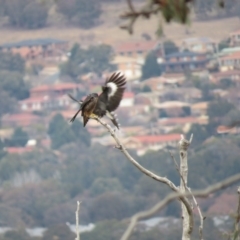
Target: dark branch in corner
(179,11)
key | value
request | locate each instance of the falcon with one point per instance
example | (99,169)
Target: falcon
(96,106)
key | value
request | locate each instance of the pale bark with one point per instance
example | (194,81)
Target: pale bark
(77,221)
(187,224)
(172,196)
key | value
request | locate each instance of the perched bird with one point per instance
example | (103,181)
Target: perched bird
(97,106)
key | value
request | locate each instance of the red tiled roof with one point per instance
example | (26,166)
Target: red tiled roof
(18,150)
(181,120)
(128,95)
(235,55)
(34,99)
(59,86)
(20,117)
(158,138)
(136,46)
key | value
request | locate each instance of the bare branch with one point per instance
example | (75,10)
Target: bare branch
(198,193)
(187,218)
(77,221)
(150,174)
(194,199)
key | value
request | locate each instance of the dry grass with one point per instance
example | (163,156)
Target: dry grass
(110,33)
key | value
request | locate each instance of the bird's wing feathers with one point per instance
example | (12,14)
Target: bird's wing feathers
(114,87)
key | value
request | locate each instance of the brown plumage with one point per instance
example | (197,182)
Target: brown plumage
(95,105)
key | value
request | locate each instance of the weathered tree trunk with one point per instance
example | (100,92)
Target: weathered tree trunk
(183,145)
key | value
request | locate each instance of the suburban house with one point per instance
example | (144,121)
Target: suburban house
(36,48)
(129,66)
(230,62)
(183,123)
(148,98)
(233,75)
(235,38)
(20,120)
(137,50)
(184,61)
(45,103)
(199,45)
(173,109)
(144,143)
(127,100)
(199,109)
(160,83)
(55,90)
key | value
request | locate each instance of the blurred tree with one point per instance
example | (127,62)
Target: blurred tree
(170,47)
(19,234)
(59,232)
(59,132)
(18,139)
(8,104)
(109,206)
(81,133)
(224,44)
(26,13)
(226,83)
(219,108)
(12,82)
(94,59)
(11,62)
(102,185)
(200,134)
(67,8)
(146,88)
(114,231)
(151,67)
(83,12)
(34,15)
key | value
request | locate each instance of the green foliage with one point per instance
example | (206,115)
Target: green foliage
(61,133)
(151,67)
(20,234)
(146,88)
(11,62)
(13,84)
(200,134)
(170,47)
(81,134)
(102,185)
(18,139)
(226,83)
(186,111)
(105,230)
(163,113)
(8,104)
(35,201)
(215,161)
(219,108)
(82,12)
(26,13)
(94,59)
(60,232)
(34,15)
(224,44)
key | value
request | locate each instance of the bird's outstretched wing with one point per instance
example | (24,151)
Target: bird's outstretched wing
(114,88)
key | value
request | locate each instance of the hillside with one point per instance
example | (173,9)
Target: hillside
(108,30)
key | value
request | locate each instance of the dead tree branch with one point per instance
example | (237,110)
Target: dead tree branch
(77,221)
(194,199)
(172,196)
(187,218)
(150,174)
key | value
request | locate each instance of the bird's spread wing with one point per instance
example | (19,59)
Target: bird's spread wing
(114,87)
